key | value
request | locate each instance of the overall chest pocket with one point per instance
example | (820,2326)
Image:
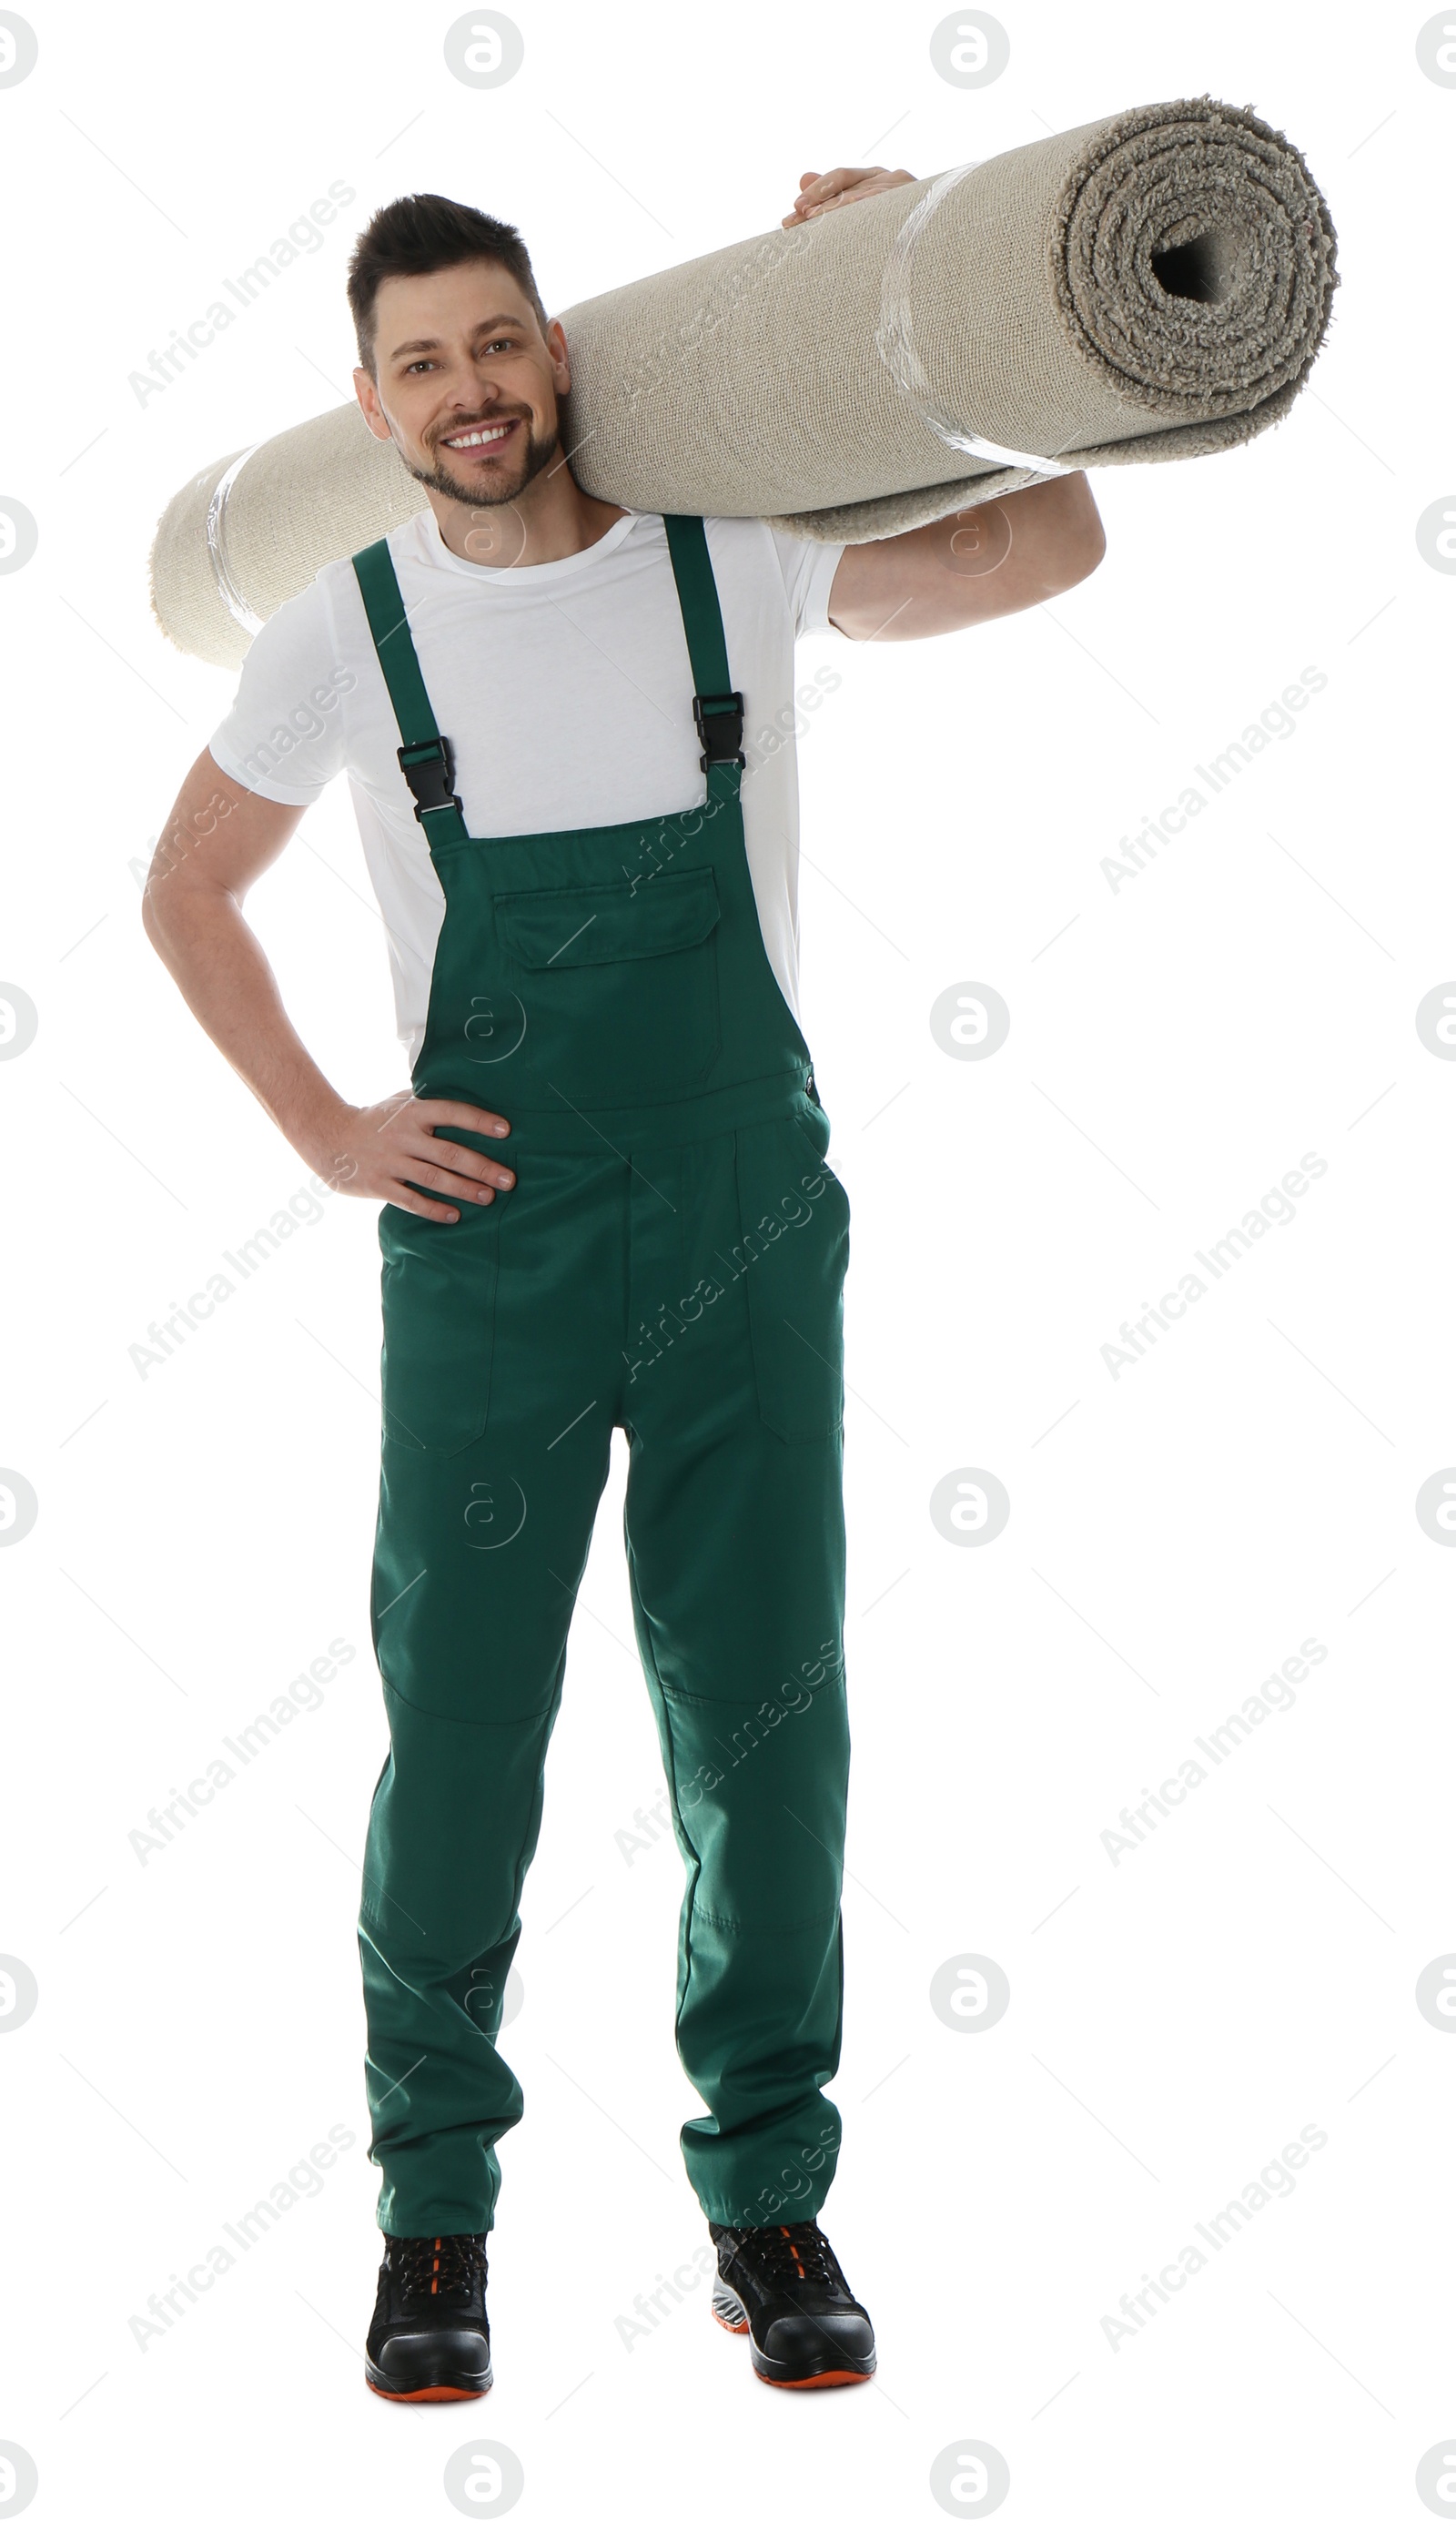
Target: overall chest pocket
(618,986)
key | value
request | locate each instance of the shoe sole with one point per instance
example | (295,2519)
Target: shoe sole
(729,2313)
(429,2391)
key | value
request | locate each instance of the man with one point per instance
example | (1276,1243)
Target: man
(592,928)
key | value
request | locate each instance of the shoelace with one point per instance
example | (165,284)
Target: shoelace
(792,2254)
(450,2266)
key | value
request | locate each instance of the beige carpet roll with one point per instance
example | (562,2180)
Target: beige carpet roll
(1154,285)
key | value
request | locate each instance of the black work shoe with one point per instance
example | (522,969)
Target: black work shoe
(429,2336)
(782,2285)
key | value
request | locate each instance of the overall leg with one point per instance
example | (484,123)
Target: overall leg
(736,1542)
(482,1540)
(451,1831)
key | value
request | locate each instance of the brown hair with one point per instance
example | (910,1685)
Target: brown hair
(428,233)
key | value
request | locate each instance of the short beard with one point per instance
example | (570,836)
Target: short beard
(539,454)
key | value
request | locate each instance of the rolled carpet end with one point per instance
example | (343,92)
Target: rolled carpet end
(187,604)
(1193,260)
(253,528)
(1188,269)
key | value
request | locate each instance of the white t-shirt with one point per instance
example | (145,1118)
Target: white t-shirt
(566,690)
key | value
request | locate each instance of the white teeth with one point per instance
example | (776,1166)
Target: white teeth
(480,438)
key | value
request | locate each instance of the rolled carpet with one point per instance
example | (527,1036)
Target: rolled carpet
(1153,285)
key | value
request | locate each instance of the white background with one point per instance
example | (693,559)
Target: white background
(1175,1533)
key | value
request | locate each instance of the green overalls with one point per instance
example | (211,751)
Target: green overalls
(672,1259)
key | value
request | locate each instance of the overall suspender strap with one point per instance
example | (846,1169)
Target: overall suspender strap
(426,759)
(715,708)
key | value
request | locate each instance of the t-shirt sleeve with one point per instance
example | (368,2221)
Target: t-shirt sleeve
(808,573)
(284,736)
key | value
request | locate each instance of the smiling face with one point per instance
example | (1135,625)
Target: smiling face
(464,382)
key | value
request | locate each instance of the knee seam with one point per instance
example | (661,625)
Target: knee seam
(772,1924)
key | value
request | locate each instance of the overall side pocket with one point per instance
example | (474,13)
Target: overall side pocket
(794,1246)
(438,1292)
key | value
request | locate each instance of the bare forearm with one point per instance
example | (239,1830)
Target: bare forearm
(222,975)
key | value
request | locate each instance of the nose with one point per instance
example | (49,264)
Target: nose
(469,385)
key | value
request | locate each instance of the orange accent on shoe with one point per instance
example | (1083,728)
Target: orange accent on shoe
(434,2271)
(798,2261)
(413,2398)
(817,2380)
(734,2327)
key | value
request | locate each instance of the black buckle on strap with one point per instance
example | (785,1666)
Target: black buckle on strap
(720,726)
(429,770)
